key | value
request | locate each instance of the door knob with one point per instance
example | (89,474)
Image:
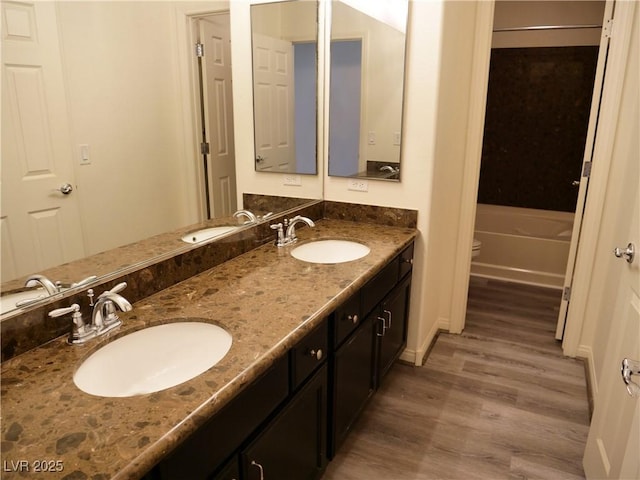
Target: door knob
(628,253)
(629,368)
(66,189)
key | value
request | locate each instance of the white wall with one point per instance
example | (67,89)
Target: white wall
(121,70)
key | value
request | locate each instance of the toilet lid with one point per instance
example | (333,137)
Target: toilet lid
(476,244)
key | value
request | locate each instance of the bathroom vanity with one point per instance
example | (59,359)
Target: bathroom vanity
(311,343)
(291,421)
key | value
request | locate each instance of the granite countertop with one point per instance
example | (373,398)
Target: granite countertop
(265,298)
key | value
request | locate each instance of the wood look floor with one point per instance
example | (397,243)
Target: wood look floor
(497,402)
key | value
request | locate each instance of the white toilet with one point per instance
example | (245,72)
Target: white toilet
(475,249)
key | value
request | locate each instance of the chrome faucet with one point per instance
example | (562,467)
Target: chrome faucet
(246,213)
(80,332)
(390,169)
(61,285)
(104,317)
(44,282)
(291,229)
(284,238)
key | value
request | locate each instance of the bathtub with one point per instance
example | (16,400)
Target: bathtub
(522,244)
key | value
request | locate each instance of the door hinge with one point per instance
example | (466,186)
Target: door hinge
(204,148)
(607,28)
(586,169)
(199,49)
(566,294)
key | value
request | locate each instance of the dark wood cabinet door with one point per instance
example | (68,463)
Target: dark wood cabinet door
(231,471)
(394,311)
(352,383)
(207,449)
(293,445)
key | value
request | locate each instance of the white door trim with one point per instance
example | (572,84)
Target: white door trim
(190,100)
(598,85)
(471,175)
(611,95)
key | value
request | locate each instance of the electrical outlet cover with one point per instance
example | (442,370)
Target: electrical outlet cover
(358,185)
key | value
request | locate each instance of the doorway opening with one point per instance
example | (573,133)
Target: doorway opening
(547,65)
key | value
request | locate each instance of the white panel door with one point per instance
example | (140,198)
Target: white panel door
(613,445)
(273,90)
(218,100)
(584,181)
(40,225)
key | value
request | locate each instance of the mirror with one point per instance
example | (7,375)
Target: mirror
(114,127)
(366,87)
(285,59)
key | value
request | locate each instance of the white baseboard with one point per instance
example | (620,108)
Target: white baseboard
(585,352)
(417,356)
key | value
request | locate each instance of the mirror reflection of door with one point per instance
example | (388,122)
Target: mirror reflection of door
(218,156)
(40,225)
(284,49)
(344,108)
(273,86)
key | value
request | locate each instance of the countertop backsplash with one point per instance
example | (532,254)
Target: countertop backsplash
(24,331)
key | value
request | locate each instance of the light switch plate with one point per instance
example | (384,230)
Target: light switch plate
(84,154)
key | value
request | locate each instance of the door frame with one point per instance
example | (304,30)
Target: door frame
(190,98)
(598,87)
(210,192)
(597,185)
(594,205)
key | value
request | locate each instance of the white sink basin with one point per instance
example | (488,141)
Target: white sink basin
(153,359)
(8,301)
(330,251)
(206,234)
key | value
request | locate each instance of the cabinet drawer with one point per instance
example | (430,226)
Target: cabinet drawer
(204,451)
(380,285)
(406,260)
(309,354)
(346,319)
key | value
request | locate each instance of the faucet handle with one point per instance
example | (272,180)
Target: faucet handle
(80,332)
(84,281)
(59,312)
(280,233)
(116,289)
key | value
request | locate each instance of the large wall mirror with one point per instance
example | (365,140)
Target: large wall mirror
(285,59)
(366,87)
(87,100)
